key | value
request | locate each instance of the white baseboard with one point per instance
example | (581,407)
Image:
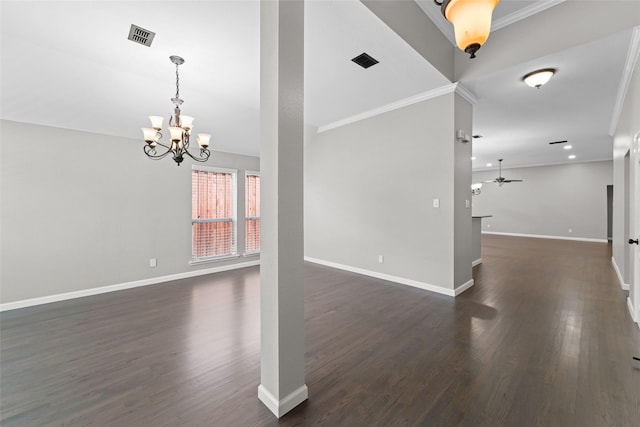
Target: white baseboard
(128,285)
(396,279)
(632,312)
(476,262)
(281,407)
(624,286)
(462,288)
(540,236)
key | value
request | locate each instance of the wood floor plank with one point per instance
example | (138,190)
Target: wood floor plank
(544,338)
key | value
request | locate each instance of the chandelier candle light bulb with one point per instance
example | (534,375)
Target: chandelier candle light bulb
(179,131)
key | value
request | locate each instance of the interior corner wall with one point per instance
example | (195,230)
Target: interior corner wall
(550,201)
(463,255)
(369,190)
(628,126)
(82,210)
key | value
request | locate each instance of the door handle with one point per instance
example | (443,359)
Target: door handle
(631,241)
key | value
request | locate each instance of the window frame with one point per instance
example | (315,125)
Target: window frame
(250,218)
(233,219)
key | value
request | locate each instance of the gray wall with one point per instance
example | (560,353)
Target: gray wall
(463,253)
(550,201)
(628,126)
(369,188)
(82,210)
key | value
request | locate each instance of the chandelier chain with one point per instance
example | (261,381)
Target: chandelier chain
(177,83)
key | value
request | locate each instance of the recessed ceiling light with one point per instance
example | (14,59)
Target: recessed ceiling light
(568,147)
(539,77)
(489,165)
(473,158)
(573,156)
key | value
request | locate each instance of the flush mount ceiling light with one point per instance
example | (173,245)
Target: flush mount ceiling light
(179,130)
(471,21)
(539,77)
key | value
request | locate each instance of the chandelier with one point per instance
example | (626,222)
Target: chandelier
(471,21)
(179,130)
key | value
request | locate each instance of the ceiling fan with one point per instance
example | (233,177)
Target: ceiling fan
(500,179)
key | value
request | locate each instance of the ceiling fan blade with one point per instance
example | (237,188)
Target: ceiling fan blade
(493,180)
(512,180)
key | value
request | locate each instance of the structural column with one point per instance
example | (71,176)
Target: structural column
(282,384)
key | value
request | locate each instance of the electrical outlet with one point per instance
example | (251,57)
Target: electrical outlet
(467,203)
(570,230)
(488,225)
(380,259)
(436,203)
(153,262)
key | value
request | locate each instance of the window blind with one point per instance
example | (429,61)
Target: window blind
(252,212)
(213,213)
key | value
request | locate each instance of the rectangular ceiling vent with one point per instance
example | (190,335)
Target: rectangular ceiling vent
(364,60)
(558,142)
(140,35)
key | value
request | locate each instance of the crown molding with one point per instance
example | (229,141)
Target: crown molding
(632,59)
(458,88)
(466,93)
(523,13)
(392,106)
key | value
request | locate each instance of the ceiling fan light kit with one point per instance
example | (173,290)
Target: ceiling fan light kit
(539,78)
(471,21)
(179,130)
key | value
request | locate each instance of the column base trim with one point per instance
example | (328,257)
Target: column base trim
(281,407)
(476,262)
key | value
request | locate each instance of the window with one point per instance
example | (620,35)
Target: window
(252,212)
(213,213)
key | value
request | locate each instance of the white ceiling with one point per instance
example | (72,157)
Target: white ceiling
(69,64)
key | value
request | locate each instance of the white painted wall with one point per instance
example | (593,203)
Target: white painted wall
(369,190)
(628,126)
(550,201)
(82,211)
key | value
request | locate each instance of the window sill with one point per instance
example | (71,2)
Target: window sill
(210,260)
(246,254)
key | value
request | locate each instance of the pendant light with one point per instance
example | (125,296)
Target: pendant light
(471,21)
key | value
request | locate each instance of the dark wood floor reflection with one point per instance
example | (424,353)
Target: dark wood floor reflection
(544,338)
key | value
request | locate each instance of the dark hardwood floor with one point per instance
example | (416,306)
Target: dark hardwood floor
(543,339)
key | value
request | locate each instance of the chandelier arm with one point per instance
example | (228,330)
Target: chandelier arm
(150,152)
(204,155)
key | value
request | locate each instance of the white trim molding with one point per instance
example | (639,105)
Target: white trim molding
(464,92)
(460,289)
(281,407)
(405,102)
(540,236)
(525,12)
(476,262)
(624,286)
(632,58)
(390,107)
(390,278)
(121,286)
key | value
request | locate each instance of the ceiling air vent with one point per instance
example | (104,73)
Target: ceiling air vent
(364,60)
(140,35)
(558,142)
